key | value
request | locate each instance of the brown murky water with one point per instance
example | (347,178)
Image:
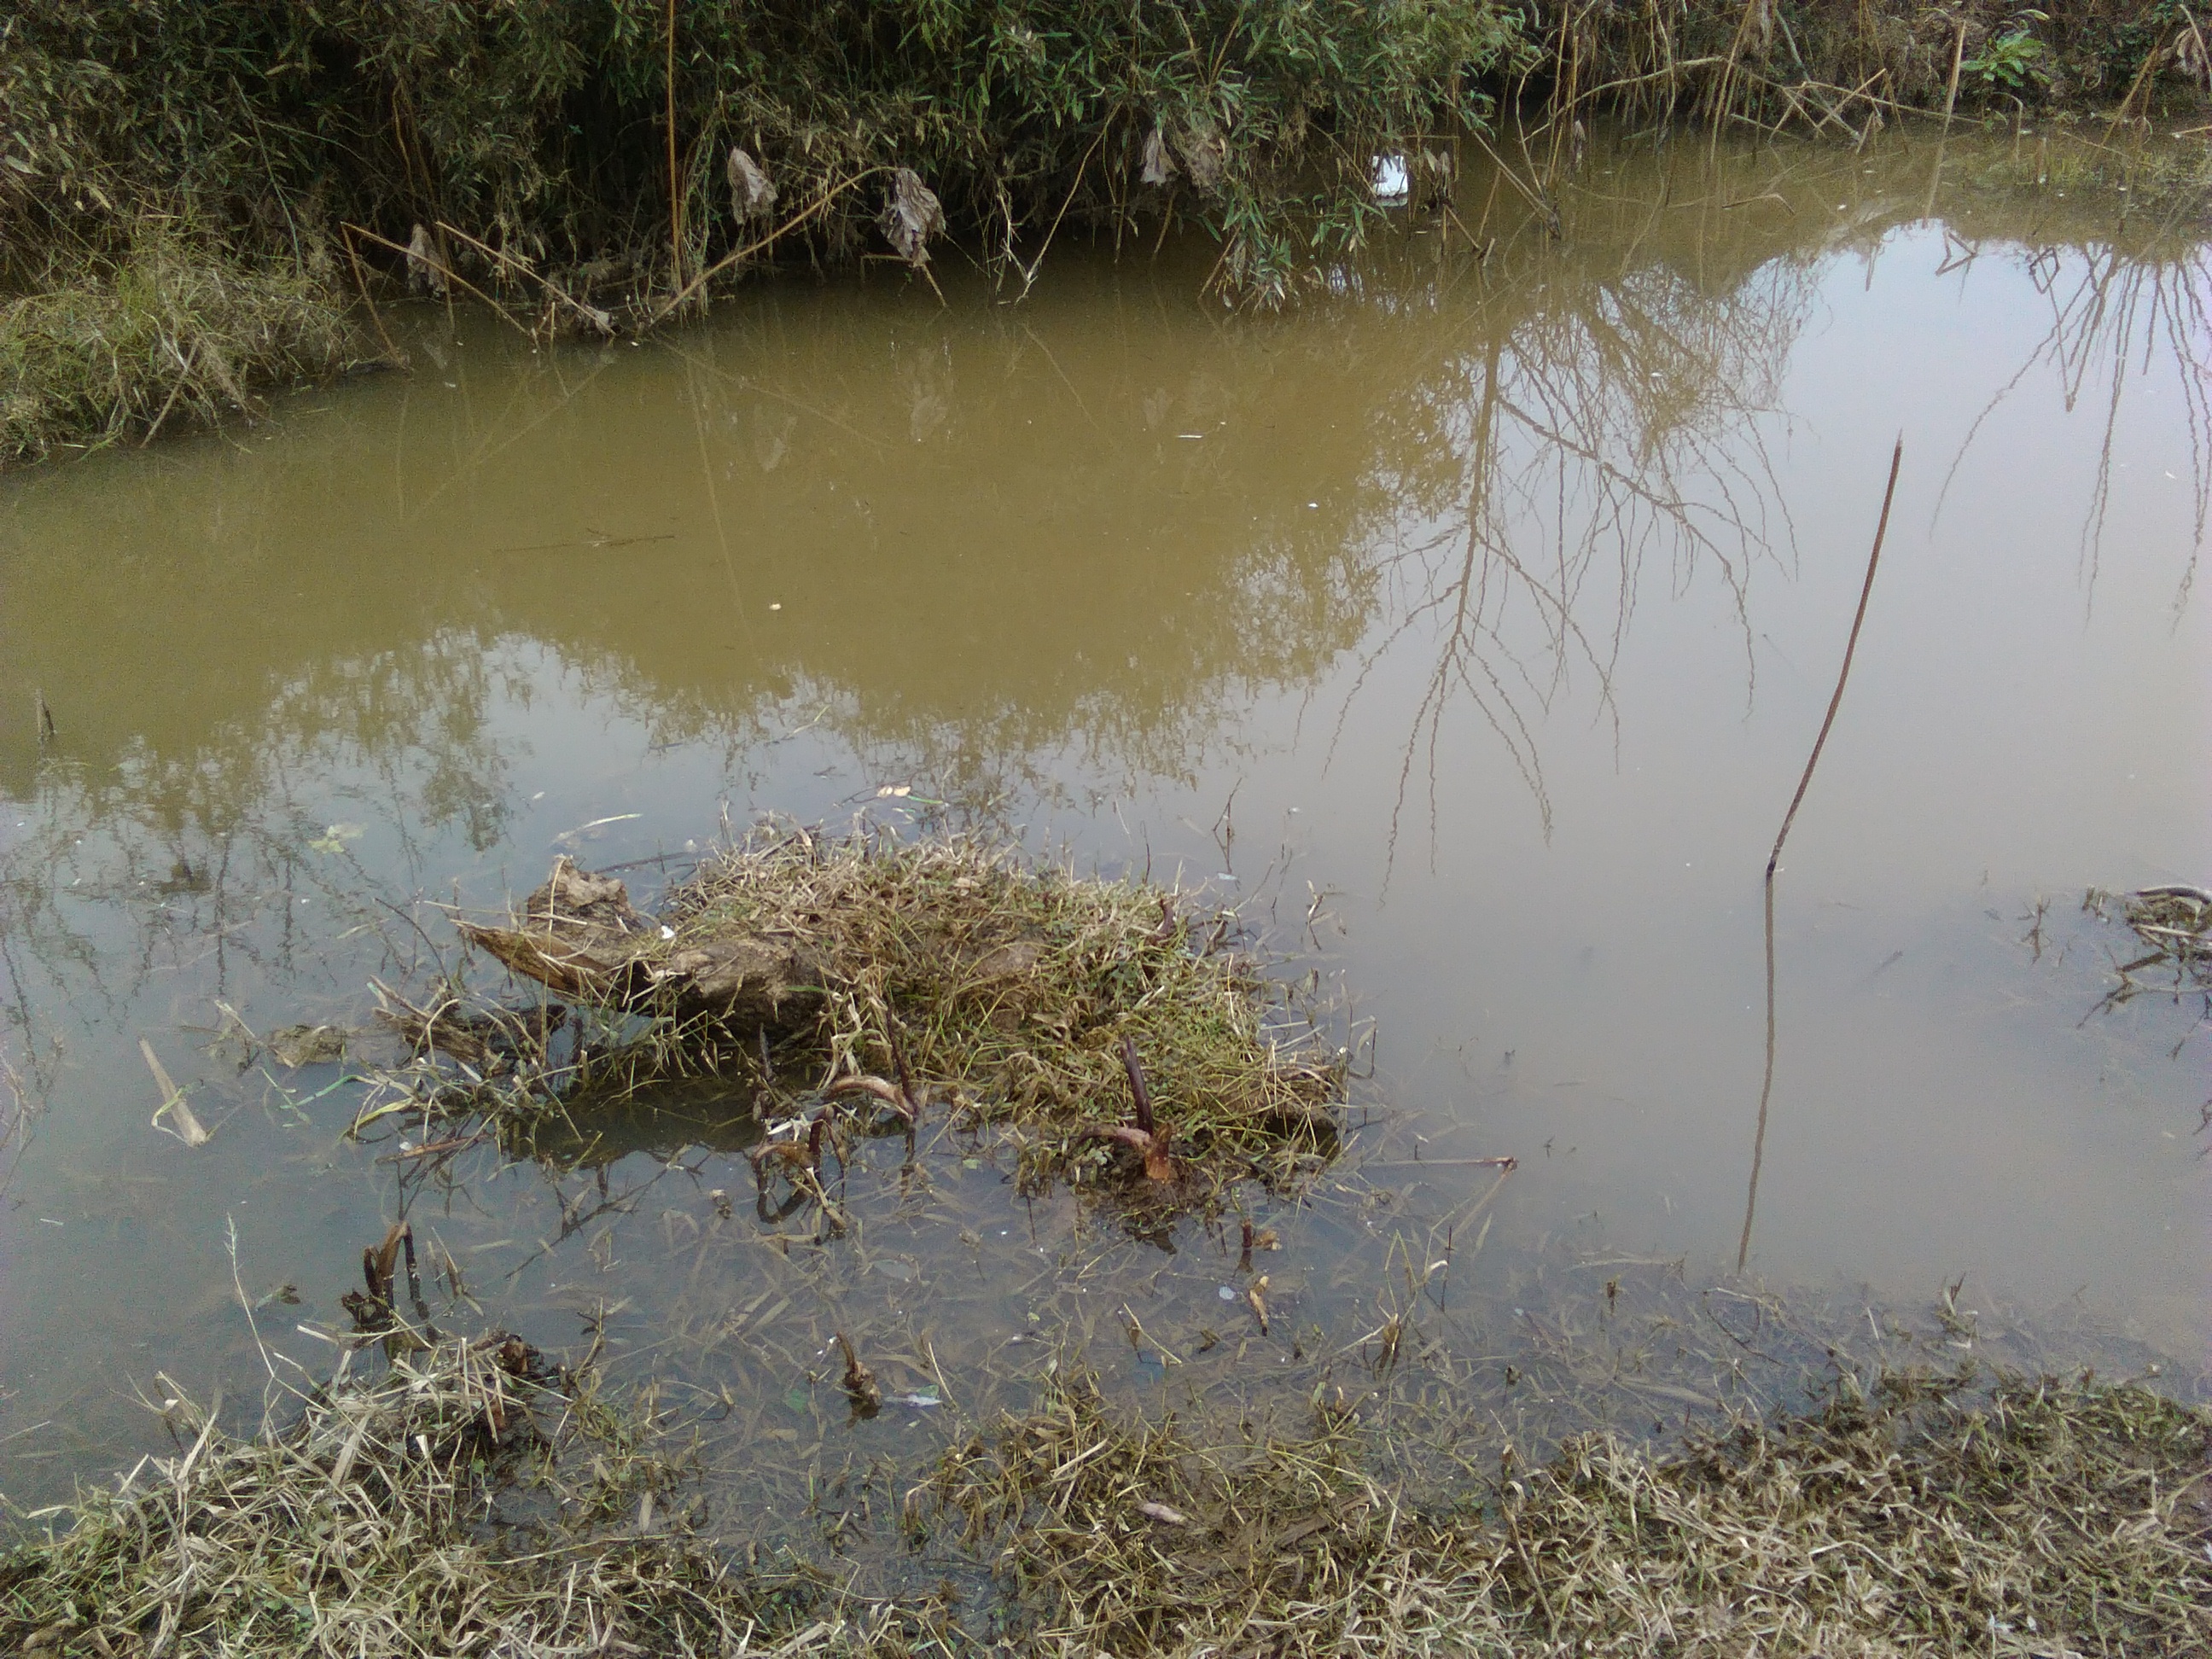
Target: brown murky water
(1471,625)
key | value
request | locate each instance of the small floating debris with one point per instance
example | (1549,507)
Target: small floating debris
(335,837)
(296,1046)
(182,1122)
(2174,923)
(861,1387)
(2176,919)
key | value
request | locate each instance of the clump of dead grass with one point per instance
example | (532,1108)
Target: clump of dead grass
(991,989)
(435,1508)
(1016,985)
(170,331)
(1933,1515)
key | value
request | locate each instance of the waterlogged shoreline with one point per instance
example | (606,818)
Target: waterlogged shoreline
(1922,1515)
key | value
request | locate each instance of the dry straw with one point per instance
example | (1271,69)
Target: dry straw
(464,1501)
(392,1517)
(999,994)
(1936,1517)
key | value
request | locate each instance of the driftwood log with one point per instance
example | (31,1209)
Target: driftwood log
(580,934)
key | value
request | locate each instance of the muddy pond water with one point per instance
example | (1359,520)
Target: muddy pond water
(1468,627)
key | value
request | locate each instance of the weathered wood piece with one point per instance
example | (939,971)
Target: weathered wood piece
(580,934)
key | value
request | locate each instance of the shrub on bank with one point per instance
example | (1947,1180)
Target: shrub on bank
(532,149)
(548,132)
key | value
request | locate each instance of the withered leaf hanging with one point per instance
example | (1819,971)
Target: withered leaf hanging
(911,216)
(752,194)
(425,273)
(1159,167)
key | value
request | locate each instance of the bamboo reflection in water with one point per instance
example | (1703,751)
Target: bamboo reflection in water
(122,874)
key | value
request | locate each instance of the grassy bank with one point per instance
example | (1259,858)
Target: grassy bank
(468,1499)
(169,328)
(607,167)
(1829,66)
(604,166)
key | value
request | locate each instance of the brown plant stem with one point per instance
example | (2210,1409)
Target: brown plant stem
(1774,858)
(675,184)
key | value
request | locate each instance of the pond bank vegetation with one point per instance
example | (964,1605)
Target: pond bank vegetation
(465,1497)
(198,204)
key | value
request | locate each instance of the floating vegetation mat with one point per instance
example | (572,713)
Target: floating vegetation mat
(1109,1022)
(2173,922)
(465,1501)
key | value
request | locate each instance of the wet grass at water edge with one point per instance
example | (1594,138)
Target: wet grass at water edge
(466,1499)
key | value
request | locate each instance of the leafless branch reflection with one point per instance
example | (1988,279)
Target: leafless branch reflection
(2122,319)
(1609,411)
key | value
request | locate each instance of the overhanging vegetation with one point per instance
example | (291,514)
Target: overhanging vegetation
(592,168)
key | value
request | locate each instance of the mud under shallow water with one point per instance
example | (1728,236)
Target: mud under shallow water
(1468,628)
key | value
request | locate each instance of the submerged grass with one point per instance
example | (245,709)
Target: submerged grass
(465,1501)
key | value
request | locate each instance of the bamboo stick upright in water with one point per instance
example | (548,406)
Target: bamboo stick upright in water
(1774,858)
(675,184)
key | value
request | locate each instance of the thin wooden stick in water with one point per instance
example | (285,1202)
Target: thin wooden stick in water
(1858,621)
(1142,1096)
(1774,858)
(1951,92)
